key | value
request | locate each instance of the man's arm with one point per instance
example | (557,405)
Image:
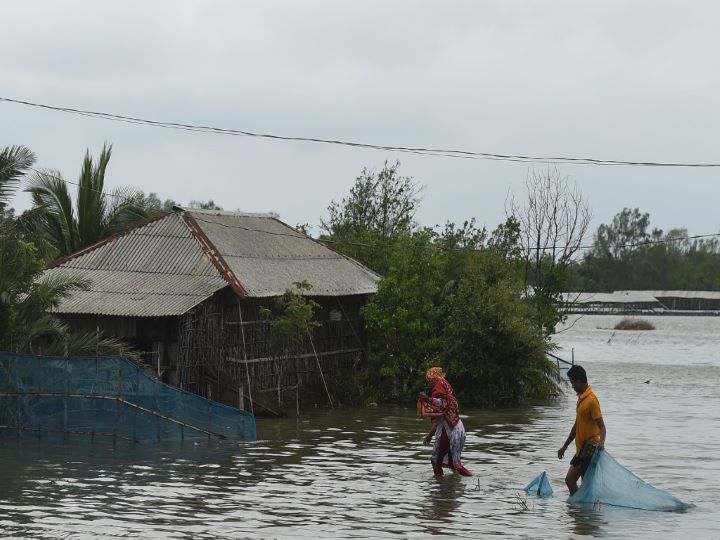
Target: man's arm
(603,432)
(571,438)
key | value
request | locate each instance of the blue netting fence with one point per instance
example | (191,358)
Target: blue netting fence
(107,397)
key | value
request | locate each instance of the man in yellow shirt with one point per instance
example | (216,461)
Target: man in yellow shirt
(588,429)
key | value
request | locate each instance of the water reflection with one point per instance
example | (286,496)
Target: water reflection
(586,520)
(441,501)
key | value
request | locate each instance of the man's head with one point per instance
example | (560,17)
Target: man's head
(578,378)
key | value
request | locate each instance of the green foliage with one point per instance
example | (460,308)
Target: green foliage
(95,215)
(26,297)
(355,387)
(292,319)
(404,317)
(379,210)
(204,205)
(495,352)
(455,298)
(14,163)
(152,204)
(626,254)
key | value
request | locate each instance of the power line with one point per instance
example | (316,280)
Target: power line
(440,248)
(461,154)
(390,244)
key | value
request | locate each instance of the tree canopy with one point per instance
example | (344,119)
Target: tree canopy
(379,210)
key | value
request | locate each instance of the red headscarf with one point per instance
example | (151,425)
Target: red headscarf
(440,388)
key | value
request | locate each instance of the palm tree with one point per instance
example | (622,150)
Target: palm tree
(95,214)
(26,297)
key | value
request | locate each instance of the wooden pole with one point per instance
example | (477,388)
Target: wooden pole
(317,358)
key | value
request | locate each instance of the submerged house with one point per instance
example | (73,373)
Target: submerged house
(186,289)
(614,302)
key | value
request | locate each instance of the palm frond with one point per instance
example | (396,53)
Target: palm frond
(91,199)
(51,196)
(40,332)
(90,344)
(14,163)
(124,210)
(49,291)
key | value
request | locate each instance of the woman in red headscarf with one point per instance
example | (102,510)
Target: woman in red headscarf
(442,408)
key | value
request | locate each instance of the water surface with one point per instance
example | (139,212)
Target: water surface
(364,473)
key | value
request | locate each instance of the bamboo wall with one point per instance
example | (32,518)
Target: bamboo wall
(225,354)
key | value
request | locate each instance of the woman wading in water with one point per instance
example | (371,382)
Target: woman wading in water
(442,408)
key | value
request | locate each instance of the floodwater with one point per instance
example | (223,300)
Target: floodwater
(364,473)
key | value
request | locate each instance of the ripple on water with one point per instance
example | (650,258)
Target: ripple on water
(365,473)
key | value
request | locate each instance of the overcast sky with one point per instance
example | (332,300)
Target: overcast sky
(624,80)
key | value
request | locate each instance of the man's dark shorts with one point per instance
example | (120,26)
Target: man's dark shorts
(582,461)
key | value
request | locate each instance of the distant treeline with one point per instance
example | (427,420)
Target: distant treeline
(628,255)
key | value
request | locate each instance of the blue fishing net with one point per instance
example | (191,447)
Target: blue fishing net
(540,486)
(608,482)
(106,397)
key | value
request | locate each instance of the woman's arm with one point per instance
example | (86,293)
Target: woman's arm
(429,436)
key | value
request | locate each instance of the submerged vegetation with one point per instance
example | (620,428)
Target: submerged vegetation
(632,323)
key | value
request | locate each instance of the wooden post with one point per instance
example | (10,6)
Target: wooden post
(241,399)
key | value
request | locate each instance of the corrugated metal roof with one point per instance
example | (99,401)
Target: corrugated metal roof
(708,295)
(268,256)
(615,297)
(155,270)
(162,269)
(131,294)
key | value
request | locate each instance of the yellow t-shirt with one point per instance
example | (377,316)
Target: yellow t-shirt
(587,414)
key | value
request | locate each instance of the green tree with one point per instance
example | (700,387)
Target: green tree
(26,297)
(204,205)
(152,204)
(404,317)
(494,350)
(292,319)
(96,213)
(380,209)
(441,292)
(628,254)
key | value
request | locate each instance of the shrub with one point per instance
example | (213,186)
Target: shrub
(633,323)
